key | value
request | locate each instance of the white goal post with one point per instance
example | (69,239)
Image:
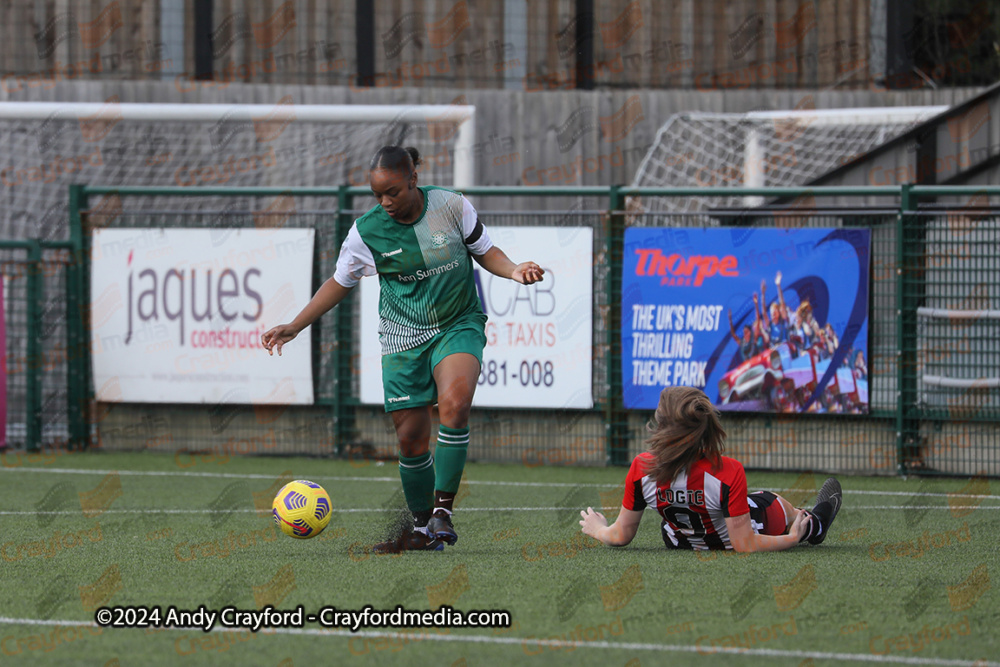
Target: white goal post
(464,116)
(49,145)
(762,149)
(881,119)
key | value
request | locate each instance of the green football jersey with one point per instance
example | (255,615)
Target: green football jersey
(425,268)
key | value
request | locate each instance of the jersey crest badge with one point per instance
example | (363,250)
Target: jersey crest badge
(439,239)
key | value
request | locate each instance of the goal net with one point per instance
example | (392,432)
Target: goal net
(761,149)
(48,146)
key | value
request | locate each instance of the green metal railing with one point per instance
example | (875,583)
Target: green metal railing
(905,425)
(40,408)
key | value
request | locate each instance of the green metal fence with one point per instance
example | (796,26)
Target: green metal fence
(932,369)
(40,307)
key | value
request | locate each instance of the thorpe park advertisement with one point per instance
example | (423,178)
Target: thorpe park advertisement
(763,320)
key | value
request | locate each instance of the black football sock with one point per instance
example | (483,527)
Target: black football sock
(443,501)
(421,518)
(821,515)
(814,527)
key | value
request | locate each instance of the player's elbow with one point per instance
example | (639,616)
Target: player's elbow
(620,541)
(619,538)
(744,546)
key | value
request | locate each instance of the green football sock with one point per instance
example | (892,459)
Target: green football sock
(452,447)
(417,473)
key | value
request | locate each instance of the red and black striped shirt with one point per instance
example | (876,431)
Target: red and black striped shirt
(695,504)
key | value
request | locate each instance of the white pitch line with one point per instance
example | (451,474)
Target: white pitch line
(919,507)
(225,475)
(462,510)
(526,642)
(930,494)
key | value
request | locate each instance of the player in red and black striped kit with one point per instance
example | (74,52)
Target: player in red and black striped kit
(701,494)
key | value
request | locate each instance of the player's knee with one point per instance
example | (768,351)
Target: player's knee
(789,509)
(412,441)
(413,446)
(454,411)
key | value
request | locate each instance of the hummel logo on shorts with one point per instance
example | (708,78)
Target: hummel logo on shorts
(398,399)
(394,252)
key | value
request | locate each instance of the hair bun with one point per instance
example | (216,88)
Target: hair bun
(414,155)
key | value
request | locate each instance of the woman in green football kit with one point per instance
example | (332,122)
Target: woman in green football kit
(419,241)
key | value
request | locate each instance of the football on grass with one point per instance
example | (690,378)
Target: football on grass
(301,509)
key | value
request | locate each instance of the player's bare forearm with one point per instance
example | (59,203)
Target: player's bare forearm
(744,540)
(327,296)
(769,543)
(496,262)
(617,534)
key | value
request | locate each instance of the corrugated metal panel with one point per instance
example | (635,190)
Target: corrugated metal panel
(713,45)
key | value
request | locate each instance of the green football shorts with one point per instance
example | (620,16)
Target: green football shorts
(408,376)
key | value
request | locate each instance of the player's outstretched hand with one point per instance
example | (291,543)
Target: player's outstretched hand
(798,527)
(527,273)
(592,521)
(276,337)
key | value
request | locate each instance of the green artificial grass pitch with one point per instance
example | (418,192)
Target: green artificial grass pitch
(905,576)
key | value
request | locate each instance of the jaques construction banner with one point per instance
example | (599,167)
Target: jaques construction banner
(763,320)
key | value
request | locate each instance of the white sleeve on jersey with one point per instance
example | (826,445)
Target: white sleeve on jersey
(470,220)
(355,260)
